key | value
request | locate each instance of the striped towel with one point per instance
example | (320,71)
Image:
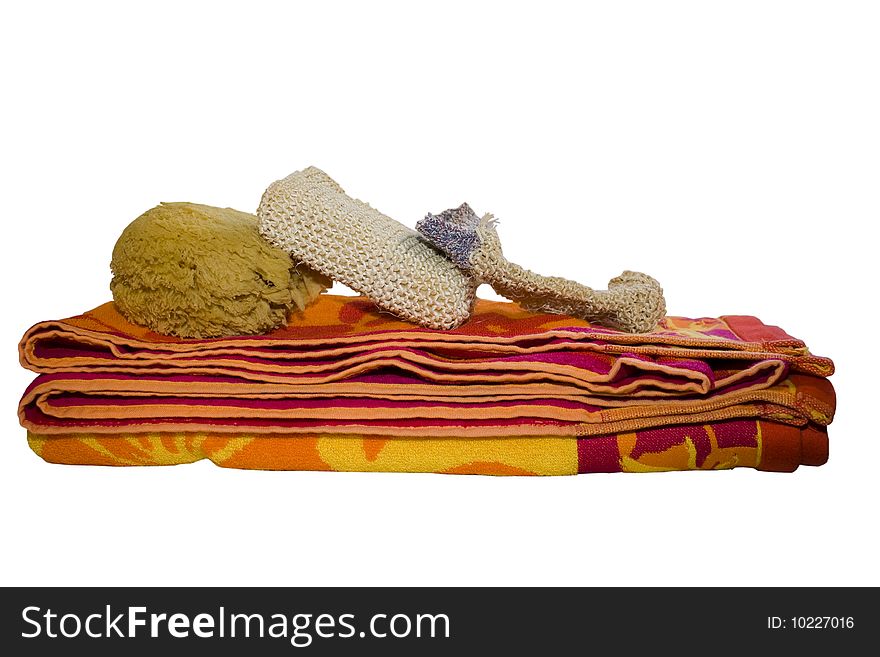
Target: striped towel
(345,371)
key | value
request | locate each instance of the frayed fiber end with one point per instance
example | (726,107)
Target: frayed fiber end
(454,232)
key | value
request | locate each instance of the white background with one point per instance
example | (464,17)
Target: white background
(728,149)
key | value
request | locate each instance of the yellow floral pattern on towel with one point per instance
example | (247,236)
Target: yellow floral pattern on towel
(756,444)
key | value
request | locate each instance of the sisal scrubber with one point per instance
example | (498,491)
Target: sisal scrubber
(310,216)
(633,301)
(430,277)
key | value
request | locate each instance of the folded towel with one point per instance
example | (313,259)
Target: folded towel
(720,445)
(344,367)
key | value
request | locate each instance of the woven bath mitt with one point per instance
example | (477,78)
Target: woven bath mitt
(310,216)
(633,301)
(197,271)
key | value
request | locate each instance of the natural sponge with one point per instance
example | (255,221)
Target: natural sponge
(197,271)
